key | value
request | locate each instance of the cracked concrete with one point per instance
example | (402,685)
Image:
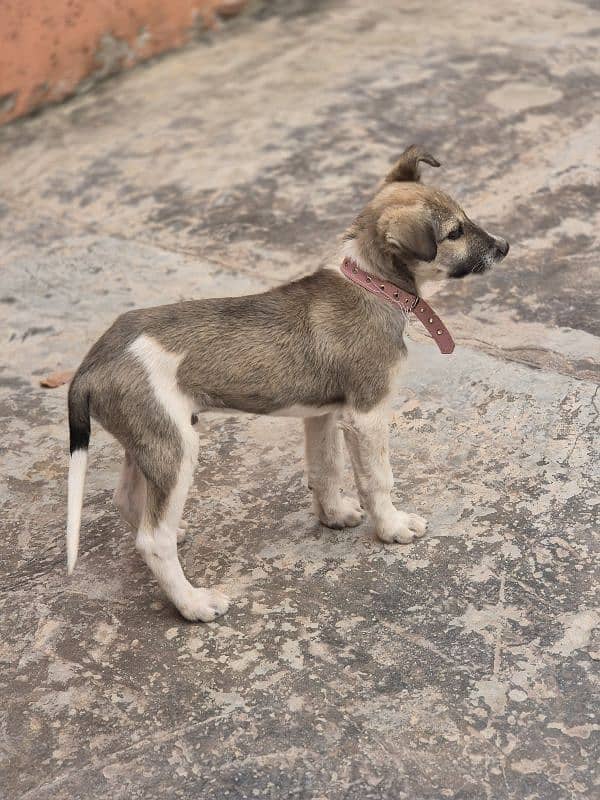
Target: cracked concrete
(464,666)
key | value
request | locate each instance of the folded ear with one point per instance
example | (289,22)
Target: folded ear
(411,232)
(407,167)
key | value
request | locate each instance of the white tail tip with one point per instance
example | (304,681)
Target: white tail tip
(77,469)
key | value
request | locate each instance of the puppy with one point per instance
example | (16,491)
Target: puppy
(325,348)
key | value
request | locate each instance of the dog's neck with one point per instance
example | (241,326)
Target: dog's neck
(390,268)
(381,265)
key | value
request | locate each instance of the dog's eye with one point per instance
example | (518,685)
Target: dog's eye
(456,233)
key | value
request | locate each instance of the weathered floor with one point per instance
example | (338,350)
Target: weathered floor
(464,666)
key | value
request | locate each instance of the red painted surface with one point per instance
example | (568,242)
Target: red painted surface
(49,48)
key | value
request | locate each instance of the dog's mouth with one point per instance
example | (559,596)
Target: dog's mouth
(484,262)
(478,268)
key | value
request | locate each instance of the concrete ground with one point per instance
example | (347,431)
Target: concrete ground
(463,666)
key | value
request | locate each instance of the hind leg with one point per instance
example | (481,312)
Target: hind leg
(168,479)
(130,496)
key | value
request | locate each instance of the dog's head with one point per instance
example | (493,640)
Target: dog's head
(419,233)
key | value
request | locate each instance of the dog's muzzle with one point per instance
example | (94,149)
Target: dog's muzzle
(501,248)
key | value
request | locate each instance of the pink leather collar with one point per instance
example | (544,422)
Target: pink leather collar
(404,300)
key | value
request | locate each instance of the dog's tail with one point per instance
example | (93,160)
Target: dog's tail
(79,435)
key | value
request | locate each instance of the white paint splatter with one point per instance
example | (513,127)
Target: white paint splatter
(578,629)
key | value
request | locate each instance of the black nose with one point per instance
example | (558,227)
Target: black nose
(502,247)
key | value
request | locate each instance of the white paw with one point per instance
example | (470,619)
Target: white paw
(182,531)
(344,513)
(203,604)
(402,527)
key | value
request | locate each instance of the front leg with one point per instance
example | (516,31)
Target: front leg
(325,471)
(367,437)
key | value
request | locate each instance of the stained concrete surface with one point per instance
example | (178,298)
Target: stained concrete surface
(463,666)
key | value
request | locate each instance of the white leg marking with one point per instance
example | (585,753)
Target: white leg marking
(130,496)
(158,543)
(367,436)
(158,547)
(182,531)
(325,472)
